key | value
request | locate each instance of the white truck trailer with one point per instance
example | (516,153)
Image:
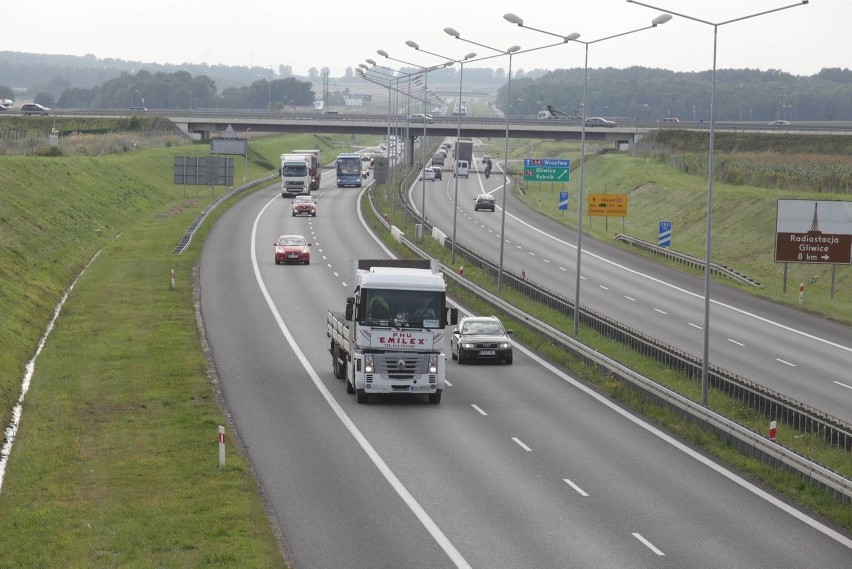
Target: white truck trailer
(295,175)
(391,338)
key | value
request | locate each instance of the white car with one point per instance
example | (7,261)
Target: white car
(429,173)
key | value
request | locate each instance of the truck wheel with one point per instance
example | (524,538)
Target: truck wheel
(435,398)
(350,389)
(360,396)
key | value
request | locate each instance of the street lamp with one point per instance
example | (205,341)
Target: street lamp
(190,100)
(131,97)
(706,346)
(461,62)
(245,155)
(425,76)
(509,52)
(512,18)
(386,84)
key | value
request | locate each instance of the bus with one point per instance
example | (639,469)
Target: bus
(348,170)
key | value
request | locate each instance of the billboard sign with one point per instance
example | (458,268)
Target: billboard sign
(813,231)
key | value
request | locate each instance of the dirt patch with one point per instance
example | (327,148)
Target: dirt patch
(643,188)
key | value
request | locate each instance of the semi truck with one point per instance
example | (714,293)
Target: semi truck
(462,157)
(316,172)
(295,175)
(390,337)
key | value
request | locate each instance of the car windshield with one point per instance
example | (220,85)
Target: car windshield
(304,199)
(488,327)
(292,241)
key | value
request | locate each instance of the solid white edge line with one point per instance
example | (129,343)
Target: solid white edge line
(521,444)
(433,529)
(479,409)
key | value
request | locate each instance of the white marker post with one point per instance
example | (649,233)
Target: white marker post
(801,292)
(772,430)
(173,279)
(221,446)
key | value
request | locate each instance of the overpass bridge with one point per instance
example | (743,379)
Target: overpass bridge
(202,125)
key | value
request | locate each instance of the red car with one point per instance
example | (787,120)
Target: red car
(304,205)
(292,249)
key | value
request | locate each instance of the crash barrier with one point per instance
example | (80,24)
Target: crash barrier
(772,404)
(685,259)
(193,227)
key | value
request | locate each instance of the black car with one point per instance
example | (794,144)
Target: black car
(481,338)
(484,201)
(34,109)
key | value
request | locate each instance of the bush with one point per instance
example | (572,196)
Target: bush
(49,151)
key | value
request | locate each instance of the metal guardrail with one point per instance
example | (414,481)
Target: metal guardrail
(773,404)
(193,227)
(685,259)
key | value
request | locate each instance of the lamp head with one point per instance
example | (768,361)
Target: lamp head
(413,44)
(661,19)
(571,37)
(511,18)
(452,32)
(513,49)
(362,66)
(382,52)
(470,55)
(370,61)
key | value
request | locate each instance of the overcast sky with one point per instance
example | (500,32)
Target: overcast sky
(338,34)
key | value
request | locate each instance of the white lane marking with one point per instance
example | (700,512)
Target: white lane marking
(785,363)
(630,298)
(684,291)
(660,311)
(733,477)
(479,410)
(447,383)
(648,544)
(433,529)
(603,287)
(546,260)
(696,326)
(842,385)
(521,444)
(740,344)
(575,487)
(562,269)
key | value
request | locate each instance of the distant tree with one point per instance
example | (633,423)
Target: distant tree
(6,92)
(285,71)
(45,98)
(313,74)
(348,73)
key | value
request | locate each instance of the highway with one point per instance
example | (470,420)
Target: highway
(787,350)
(519,466)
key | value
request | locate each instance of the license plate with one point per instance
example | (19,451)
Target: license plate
(487,352)
(292,256)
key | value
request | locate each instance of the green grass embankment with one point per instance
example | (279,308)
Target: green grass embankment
(115,463)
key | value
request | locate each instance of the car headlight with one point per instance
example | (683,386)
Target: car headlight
(368,363)
(504,345)
(433,363)
(467,345)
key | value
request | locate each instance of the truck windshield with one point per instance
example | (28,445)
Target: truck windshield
(300,170)
(402,308)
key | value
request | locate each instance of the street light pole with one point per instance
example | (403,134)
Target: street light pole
(706,343)
(426,71)
(245,155)
(509,52)
(512,18)
(461,63)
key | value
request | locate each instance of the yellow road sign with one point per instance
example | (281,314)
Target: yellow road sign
(609,205)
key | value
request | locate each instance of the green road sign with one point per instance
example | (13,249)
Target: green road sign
(546,170)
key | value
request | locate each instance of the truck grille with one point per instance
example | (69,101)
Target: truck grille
(400,366)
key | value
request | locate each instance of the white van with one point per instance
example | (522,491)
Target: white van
(461,169)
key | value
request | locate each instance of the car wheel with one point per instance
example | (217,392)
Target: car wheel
(453,354)
(461,358)
(360,396)
(508,359)
(277,262)
(435,398)
(294,214)
(314,214)
(307,261)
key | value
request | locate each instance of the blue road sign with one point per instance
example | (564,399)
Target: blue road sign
(563,201)
(665,237)
(546,163)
